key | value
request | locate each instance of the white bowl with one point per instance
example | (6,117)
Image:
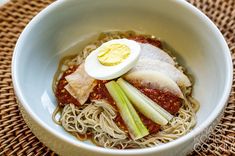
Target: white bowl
(65,27)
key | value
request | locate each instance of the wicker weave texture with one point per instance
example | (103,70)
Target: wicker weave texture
(15,136)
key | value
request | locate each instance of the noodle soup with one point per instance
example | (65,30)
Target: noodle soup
(125,90)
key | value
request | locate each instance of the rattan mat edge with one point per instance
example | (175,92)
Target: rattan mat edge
(15,136)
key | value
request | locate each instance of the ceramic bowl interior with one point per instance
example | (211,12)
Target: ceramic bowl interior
(65,27)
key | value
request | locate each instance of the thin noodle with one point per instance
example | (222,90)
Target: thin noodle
(80,137)
(56,111)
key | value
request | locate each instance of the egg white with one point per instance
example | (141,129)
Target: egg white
(101,72)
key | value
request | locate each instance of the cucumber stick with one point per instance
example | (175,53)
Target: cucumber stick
(129,115)
(145,105)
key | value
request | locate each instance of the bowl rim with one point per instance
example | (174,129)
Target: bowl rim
(215,113)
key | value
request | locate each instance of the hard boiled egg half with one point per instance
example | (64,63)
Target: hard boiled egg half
(112,59)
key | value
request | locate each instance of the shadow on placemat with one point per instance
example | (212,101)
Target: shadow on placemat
(15,136)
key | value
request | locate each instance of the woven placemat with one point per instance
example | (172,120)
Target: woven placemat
(17,139)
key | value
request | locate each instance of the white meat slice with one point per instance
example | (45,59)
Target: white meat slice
(165,68)
(154,80)
(149,51)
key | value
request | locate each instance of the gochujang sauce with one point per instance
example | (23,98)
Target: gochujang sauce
(62,95)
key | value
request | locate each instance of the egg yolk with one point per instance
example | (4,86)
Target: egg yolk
(113,54)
